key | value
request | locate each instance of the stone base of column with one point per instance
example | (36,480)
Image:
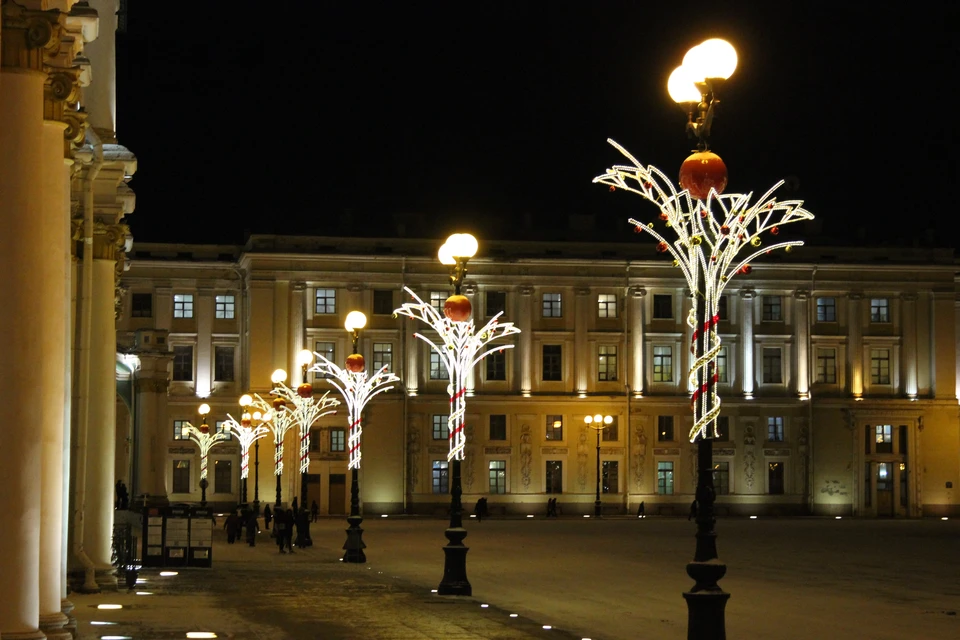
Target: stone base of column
(107,579)
(24,635)
(54,626)
(78,582)
(66,608)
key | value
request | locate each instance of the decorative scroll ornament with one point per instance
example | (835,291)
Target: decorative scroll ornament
(710,233)
(460,348)
(357,389)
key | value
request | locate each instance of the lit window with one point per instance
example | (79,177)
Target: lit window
(438,368)
(879,310)
(439,427)
(775,428)
(606,362)
(665,478)
(382,355)
(180,430)
(826,309)
(437,298)
(555,427)
(552,305)
(498,476)
(338,438)
(607,305)
(326,301)
(663,364)
(772,309)
(225,307)
(441,478)
(826,366)
(880,366)
(183,305)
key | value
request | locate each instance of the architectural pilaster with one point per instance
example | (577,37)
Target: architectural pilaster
(411,369)
(102,93)
(525,322)
(636,296)
(747,297)
(204,314)
(855,340)
(908,325)
(154,426)
(27,39)
(581,350)
(803,340)
(298,292)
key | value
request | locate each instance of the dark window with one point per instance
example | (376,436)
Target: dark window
(183,363)
(554,428)
(606,362)
(498,427)
(222,476)
(665,428)
(772,310)
(721,478)
(723,428)
(439,427)
(867,482)
(338,440)
(554,476)
(496,303)
(775,478)
(441,478)
(662,306)
(772,366)
(827,366)
(722,366)
(610,480)
(315,440)
(902,431)
(496,364)
(775,428)
(141,306)
(552,305)
(552,362)
(223,364)
(181,476)
(382,302)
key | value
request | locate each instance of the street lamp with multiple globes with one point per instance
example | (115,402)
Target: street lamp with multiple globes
(306,411)
(249,430)
(459,350)
(598,423)
(206,441)
(357,389)
(712,229)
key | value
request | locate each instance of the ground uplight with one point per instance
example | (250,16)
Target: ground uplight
(109,606)
(201,634)
(168,573)
(101,623)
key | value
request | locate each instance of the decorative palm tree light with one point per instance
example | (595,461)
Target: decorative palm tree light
(598,423)
(718,236)
(357,389)
(460,348)
(248,430)
(278,419)
(206,441)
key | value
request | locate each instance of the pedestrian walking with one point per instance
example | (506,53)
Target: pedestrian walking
(478,510)
(232,525)
(267,516)
(294,505)
(289,520)
(641,510)
(552,508)
(280,529)
(253,528)
(314,511)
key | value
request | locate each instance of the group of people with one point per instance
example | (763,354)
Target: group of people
(285,522)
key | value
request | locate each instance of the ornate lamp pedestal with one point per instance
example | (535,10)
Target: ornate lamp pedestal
(354,546)
(454,582)
(203,491)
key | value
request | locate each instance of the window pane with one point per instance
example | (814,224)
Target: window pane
(551,305)
(723,428)
(223,364)
(222,476)
(554,483)
(665,478)
(183,305)
(662,306)
(438,369)
(554,427)
(382,302)
(326,301)
(498,427)
(141,306)
(879,310)
(723,308)
(607,305)
(611,433)
(496,365)
(437,298)
(775,428)
(772,366)
(606,362)
(552,362)
(181,476)
(338,439)
(827,366)
(721,478)
(498,476)
(328,351)
(439,427)
(183,363)
(722,365)
(665,428)
(826,310)
(880,366)
(225,307)
(440,477)
(496,302)
(775,477)
(663,364)
(382,355)
(179,430)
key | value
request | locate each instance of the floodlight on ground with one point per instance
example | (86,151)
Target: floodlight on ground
(101,623)
(168,573)
(109,606)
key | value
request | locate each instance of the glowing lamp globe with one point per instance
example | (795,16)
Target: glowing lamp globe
(461,245)
(305,390)
(246,400)
(279,376)
(681,86)
(713,58)
(702,171)
(457,308)
(355,320)
(355,362)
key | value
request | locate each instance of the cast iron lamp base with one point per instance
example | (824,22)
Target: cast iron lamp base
(455,581)
(354,545)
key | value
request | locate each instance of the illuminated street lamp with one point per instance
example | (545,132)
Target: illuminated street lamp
(712,229)
(598,423)
(278,419)
(249,430)
(460,349)
(206,441)
(357,389)
(306,411)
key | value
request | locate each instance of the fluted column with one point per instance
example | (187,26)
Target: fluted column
(803,334)
(637,380)
(470,291)
(26,37)
(908,325)
(855,344)
(297,295)
(101,435)
(581,350)
(746,319)
(524,322)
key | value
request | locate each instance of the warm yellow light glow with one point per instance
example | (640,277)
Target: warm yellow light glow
(445,256)
(278,376)
(598,418)
(713,58)
(257,415)
(168,573)
(109,606)
(462,245)
(355,320)
(588,419)
(557,424)
(607,419)
(680,86)
(201,634)
(204,409)
(246,400)
(304,357)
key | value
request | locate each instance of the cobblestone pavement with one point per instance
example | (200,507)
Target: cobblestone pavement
(259,593)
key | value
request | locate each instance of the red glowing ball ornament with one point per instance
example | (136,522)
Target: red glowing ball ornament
(355,362)
(457,308)
(278,403)
(305,390)
(204,428)
(702,171)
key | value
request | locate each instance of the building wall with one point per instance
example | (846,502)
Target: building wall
(819,352)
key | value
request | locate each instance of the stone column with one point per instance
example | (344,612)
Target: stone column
(908,325)
(637,379)
(108,244)
(581,350)
(470,290)
(525,347)
(746,317)
(411,371)
(101,95)
(204,312)
(155,428)
(27,36)
(297,294)
(855,344)
(803,334)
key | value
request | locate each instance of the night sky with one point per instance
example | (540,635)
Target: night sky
(336,118)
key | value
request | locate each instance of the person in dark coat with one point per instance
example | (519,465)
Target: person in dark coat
(253,528)
(289,519)
(294,506)
(267,516)
(280,529)
(232,525)
(478,510)
(641,510)
(314,511)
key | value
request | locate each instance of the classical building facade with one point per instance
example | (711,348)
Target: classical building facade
(838,376)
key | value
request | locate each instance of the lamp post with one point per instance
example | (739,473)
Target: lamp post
(598,423)
(247,433)
(206,441)
(712,230)
(460,348)
(357,389)
(278,419)
(306,411)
